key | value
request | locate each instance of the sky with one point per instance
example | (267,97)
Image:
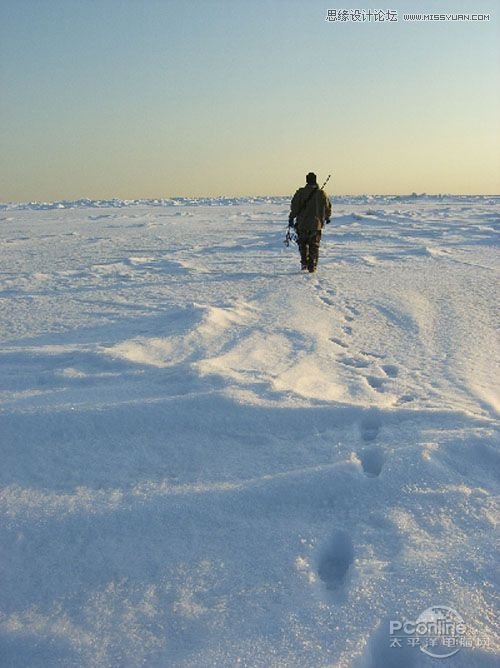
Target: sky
(164,98)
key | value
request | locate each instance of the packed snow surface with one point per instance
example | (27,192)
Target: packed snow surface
(209,458)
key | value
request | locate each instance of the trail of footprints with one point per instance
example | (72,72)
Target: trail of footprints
(337,555)
(363,359)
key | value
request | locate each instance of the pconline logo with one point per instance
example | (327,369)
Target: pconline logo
(439,632)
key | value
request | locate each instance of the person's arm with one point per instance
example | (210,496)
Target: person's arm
(294,208)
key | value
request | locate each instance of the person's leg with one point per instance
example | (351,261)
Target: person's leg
(314,242)
(303,250)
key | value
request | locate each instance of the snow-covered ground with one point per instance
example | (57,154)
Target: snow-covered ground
(209,458)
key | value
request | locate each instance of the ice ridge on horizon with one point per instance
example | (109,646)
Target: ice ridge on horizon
(86,203)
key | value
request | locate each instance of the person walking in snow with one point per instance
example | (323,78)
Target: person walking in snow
(312,209)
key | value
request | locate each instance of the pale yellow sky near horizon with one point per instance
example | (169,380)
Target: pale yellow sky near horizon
(122,99)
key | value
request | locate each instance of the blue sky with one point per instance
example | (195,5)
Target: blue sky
(152,98)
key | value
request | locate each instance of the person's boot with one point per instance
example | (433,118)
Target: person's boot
(311,265)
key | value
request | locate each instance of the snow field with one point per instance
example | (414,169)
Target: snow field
(212,459)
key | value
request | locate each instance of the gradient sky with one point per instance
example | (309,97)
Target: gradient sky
(158,98)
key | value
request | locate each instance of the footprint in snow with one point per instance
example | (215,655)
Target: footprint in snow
(352,309)
(390,370)
(372,461)
(353,312)
(370,427)
(406,398)
(326,295)
(358,363)
(335,560)
(375,383)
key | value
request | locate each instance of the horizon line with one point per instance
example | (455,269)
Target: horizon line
(245,196)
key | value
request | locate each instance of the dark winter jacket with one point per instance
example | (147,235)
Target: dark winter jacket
(311,215)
